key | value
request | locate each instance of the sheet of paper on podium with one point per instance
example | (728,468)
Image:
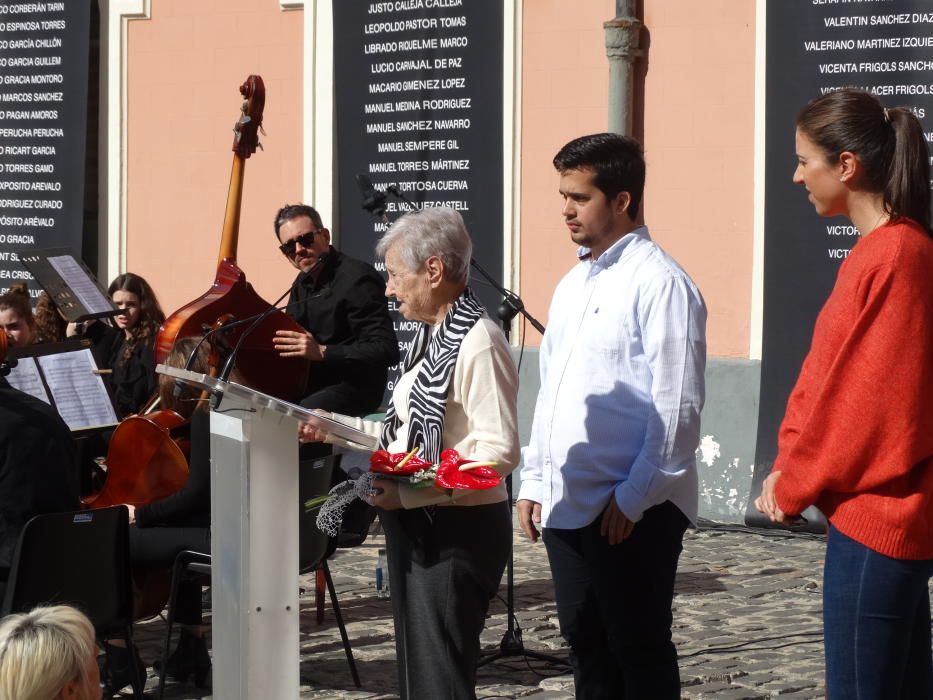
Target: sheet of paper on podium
(350,436)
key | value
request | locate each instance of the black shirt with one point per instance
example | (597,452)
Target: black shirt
(345,309)
(38,472)
(133,380)
(191,504)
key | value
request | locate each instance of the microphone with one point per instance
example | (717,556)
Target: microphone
(374,201)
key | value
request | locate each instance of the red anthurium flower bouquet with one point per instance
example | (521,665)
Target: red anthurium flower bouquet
(453,472)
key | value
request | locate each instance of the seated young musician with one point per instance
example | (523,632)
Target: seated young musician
(51,326)
(163,528)
(38,473)
(128,349)
(16,316)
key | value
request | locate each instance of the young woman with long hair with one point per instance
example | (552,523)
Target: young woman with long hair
(51,326)
(127,350)
(857,435)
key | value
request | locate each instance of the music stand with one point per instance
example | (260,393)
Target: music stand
(65,376)
(69,283)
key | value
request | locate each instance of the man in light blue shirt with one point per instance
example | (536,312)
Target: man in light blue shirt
(609,473)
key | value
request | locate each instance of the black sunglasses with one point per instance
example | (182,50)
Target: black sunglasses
(306,240)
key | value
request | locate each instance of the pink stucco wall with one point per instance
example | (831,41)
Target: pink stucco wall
(185,66)
(564,95)
(695,115)
(696,121)
(699,145)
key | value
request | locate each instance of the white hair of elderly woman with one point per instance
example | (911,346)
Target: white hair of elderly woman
(435,231)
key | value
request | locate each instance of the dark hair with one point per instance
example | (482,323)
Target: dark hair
(294,211)
(51,325)
(618,163)
(889,143)
(150,313)
(17,298)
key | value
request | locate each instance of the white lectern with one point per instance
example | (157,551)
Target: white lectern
(254,539)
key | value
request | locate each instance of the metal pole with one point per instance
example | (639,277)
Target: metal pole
(623,35)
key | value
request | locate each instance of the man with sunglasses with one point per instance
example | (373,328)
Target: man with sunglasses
(341,303)
(349,336)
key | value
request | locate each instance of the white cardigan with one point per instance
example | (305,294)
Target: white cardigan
(481,420)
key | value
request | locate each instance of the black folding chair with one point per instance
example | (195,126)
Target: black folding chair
(314,546)
(82,559)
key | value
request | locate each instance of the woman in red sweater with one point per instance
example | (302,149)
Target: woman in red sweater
(857,436)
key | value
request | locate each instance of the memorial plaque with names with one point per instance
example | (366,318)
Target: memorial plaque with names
(43,116)
(418,89)
(813,47)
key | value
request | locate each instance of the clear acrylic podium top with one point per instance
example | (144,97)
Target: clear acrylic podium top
(220,388)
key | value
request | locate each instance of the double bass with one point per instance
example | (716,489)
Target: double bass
(146,460)
(231,297)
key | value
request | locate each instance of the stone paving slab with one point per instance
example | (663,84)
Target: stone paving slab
(746,622)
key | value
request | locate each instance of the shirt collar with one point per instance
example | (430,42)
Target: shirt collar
(614,253)
(326,273)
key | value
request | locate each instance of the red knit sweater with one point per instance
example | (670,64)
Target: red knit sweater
(857,437)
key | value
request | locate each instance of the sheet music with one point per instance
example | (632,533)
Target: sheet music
(25,377)
(83,286)
(79,394)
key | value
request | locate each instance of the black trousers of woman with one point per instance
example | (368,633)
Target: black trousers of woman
(158,547)
(445,564)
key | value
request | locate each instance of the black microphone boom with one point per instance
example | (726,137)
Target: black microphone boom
(374,201)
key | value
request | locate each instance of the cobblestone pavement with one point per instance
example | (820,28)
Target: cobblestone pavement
(746,623)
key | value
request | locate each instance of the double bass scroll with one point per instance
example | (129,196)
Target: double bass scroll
(231,296)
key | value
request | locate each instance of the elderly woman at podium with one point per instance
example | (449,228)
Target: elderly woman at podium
(458,389)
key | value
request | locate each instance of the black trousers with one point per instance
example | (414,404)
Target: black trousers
(158,547)
(445,565)
(614,606)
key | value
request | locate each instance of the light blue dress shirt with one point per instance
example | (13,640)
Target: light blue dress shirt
(618,411)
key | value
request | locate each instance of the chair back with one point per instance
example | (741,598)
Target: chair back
(80,558)
(314,479)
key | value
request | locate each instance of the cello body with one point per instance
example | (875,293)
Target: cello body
(144,461)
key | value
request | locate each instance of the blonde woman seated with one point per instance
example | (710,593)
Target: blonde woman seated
(458,389)
(48,654)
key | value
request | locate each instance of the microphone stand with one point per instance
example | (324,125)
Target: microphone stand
(512,305)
